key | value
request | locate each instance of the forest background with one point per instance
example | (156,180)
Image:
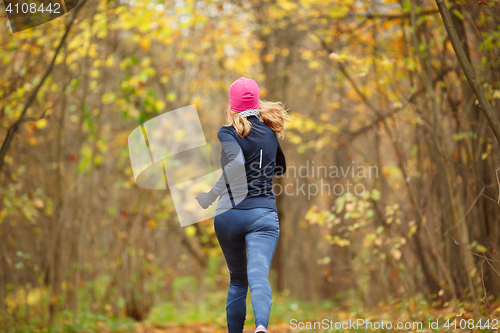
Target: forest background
(376,84)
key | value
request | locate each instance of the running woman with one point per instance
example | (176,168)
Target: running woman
(246,218)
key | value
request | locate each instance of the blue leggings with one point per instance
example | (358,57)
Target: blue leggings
(248,238)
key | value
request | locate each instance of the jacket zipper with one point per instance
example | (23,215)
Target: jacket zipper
(260,163)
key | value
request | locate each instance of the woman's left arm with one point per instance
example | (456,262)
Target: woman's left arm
(280,162)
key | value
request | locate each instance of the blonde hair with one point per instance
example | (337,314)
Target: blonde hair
(273,114)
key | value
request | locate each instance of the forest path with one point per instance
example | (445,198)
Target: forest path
(203,328)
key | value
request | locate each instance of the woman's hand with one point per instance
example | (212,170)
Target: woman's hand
(205,199)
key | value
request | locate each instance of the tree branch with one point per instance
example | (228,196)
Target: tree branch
(385,17)
(15,127)
(469,72)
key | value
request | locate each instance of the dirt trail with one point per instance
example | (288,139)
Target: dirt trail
(203,328)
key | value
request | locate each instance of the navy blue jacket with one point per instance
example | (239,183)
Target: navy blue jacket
(261,156)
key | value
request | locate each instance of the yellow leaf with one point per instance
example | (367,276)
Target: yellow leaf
(295,139)
(268,58)
(315,64)
(307,55)
(266,30)
(108,98)
(145,44)
(190,56)
(41,123)
(93,51)
(95,73)
(287,5)
(160,105)
(480,248)
(152,224)
(335,57)
(102,33)
(196,101)
(110,62)
(171,96)
(190,231)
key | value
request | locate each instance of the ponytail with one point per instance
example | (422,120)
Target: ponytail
(273,114)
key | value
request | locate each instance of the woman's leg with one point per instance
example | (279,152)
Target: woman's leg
(261,241)
(230,234)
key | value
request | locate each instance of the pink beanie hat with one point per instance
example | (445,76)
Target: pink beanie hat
(244,95)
